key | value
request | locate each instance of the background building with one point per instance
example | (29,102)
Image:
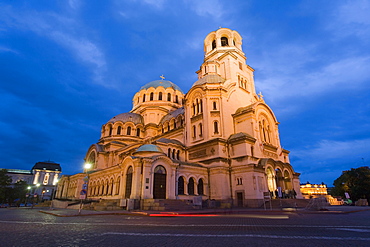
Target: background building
(42,178)
(219,142)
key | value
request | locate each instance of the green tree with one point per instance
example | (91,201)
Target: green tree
(5,181)
(355,181)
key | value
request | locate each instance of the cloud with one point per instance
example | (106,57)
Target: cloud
(329,149)
(6,49)
(206,8)
(61,30)
(74,4)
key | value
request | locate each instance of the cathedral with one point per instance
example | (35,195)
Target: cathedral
(219,142)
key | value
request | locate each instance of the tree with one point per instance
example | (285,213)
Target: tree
(355,181)
(5,181)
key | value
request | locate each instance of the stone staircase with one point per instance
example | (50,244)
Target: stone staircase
(168,205)
(287,203)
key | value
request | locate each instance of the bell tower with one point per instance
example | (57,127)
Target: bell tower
(223,56)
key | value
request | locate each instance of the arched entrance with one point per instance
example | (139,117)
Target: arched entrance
(270,180)
(129,173)
(160,176)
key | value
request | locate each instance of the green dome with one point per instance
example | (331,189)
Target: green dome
(149,148)
(161,83)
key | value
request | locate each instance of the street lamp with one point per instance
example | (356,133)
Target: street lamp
(83,193)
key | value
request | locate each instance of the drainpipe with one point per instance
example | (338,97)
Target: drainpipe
(209,184)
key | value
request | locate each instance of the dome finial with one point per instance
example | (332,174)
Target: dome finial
(162,77)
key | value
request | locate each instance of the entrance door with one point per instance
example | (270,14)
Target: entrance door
(160,177)
(239,197)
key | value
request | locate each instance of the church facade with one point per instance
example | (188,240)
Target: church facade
(218,142)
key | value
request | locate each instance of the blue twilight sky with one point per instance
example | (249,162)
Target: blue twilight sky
(67,67)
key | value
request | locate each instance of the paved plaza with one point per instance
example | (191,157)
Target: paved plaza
(340,226)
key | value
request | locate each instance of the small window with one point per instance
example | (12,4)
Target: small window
(168,97)
(177,99)
(194,131)
(191,186)
(173,153)
(215,127)
(110,130)
(214,105)
(240,66)
(181,186)
(224,41)
(128,130)
(178,155)
(169,152)
(200,187)
(200,129)
(151,96)
(144,98)
(138,132)
(160,96)
(213,44)
(119,130)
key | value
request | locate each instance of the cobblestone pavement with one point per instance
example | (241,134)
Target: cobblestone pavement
(29,227)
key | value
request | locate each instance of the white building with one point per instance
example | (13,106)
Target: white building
(219,141)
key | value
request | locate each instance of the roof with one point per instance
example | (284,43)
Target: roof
(172,114)
(209,79)
(47,165)
(165,140)
(149,148)
(161,83)
(127,117)
(240,134)
(18,171)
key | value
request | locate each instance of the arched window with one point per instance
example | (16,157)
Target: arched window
(128,130)
(119,130)
(197,104)
(200,187)
(144,98)
(193,109)
(151,96)
(168,97)
(215,127)
(224,41)
(200,129)
(138,132)
(118,185)
(173,153)
(178,155)
(213,44)
(160,96)
(180,186)
(177,99)
(110,130)
(201,106)
(214,105)
(169,152)
(191,186)
(194,131)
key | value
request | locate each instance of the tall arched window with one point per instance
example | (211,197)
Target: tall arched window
(168,97)
(128,130)
(173,153)
(224,41)
(194,131)
(110,130)
(178,155)
(214,105)
(169,153)
(119,130)
(201,106)
(144,98)
(200,187)
(151,96)
(200,129)
(138,132)
(180,186)
(176,99)
(213,44)
(215,127)
(160,96)
(118,185)
(191,186)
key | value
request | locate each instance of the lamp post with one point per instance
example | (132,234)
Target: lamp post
(83,193)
